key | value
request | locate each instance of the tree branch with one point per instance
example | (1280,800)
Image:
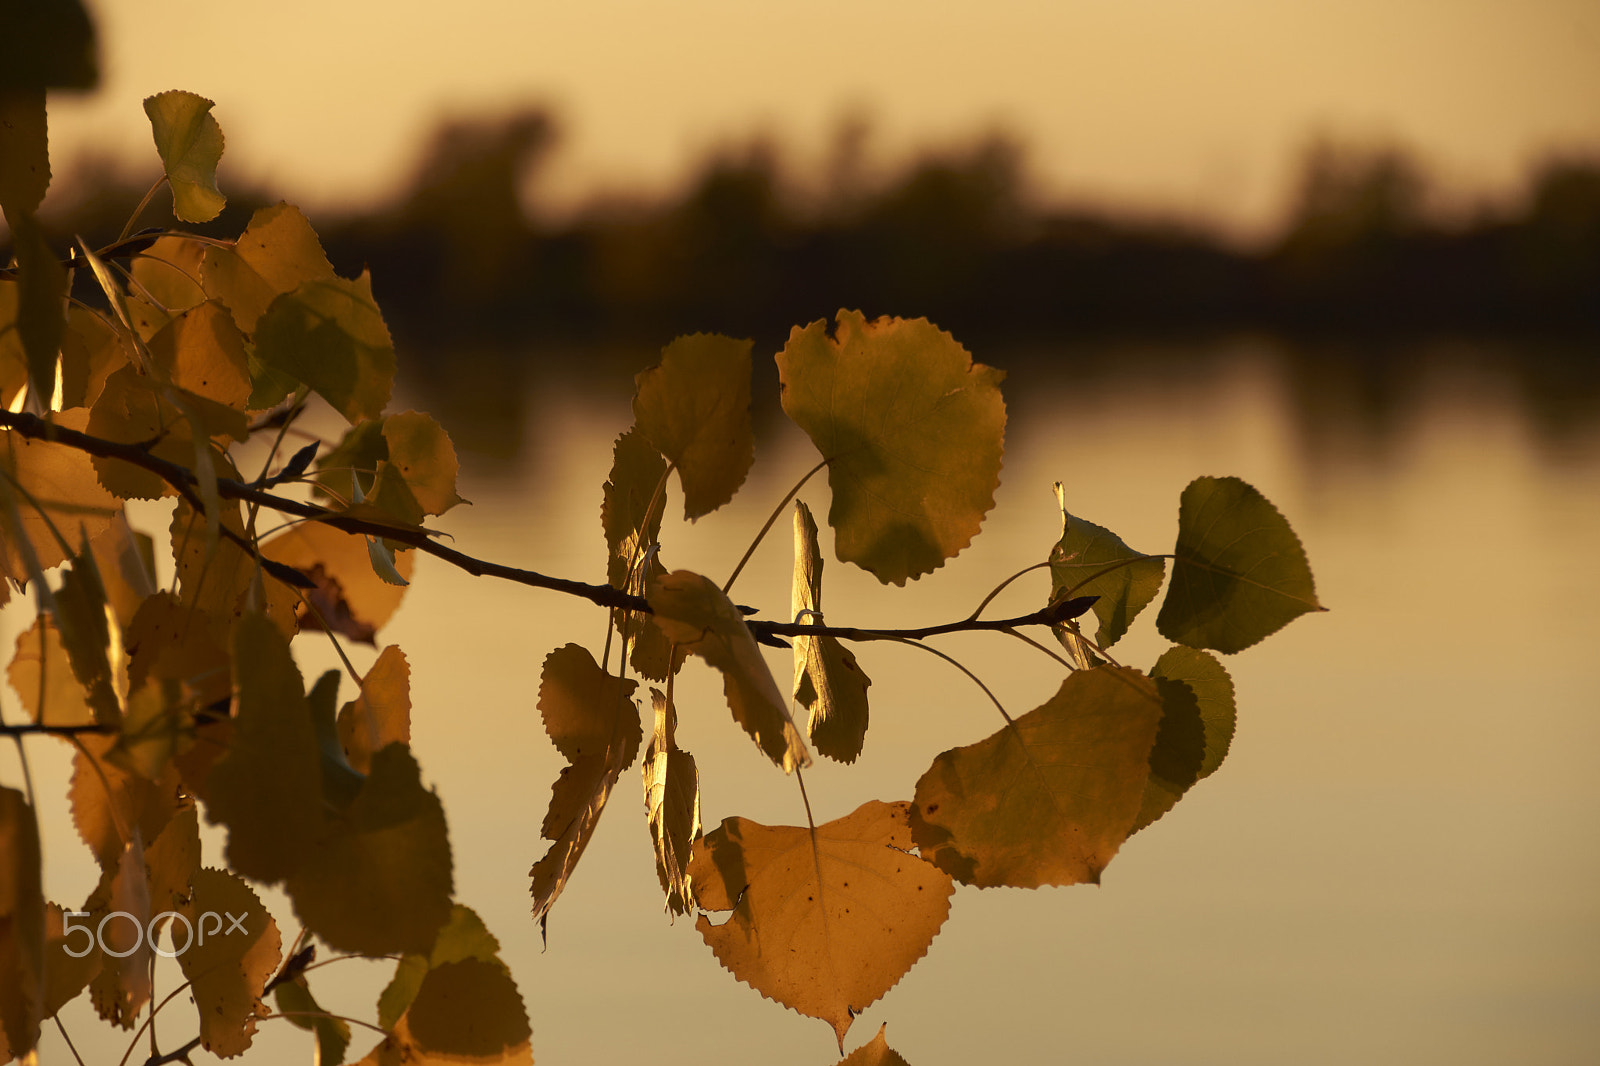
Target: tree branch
(53,730)
(185,482)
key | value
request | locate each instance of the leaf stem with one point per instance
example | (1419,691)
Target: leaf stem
(776,512)
(133,218)
(70,1046)
(976,611)
(955,663)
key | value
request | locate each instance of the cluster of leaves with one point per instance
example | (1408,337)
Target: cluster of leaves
(187,699)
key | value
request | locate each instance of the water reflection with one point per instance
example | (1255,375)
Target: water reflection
(1396,865)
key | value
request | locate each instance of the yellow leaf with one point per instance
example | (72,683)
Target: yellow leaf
(350,598)
(1049,799)
(329,334)
(33,675)
(119,911)
(133,409)
(236,948)
(223,583)
(381,715)
(629,522)
(109,803)
(91,351)
(827,678)
(913,432)
(276,253)
(696,615)
(672,805)
(824,921)
(694,407)
(595,725)
(61,482)
(875,1052)
(421,451)
(202,352)
(189,142)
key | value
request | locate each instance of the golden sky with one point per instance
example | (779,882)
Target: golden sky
(1176,105)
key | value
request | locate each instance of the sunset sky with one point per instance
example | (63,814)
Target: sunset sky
(1171,105)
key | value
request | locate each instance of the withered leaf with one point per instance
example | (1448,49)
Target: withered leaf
(694,407)
(827,678)
(672,804)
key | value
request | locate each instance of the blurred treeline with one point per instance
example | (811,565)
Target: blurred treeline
(958,235)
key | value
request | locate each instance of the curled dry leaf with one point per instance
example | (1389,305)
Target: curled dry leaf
(824,920)
(694,407)
(699,618)
(827,678)
(672,804)
(913,432)
(593,722)
(1050,798)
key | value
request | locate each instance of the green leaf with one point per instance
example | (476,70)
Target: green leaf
(1240,573)
(672,805)
(594,723)
(24,150)
(913,431)
(1081,565)
(694,407)
(189,142)
(378,880)
(827,678)
(330,335)
(1049,799)
(296,1003)
(824,920)
(699,618)
(1196,727)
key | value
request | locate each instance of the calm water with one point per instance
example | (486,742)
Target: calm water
(1397,863)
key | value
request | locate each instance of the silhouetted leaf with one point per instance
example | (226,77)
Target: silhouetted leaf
(672,804)
(228,970)
(875,1052)
(296,1003)
(189,142)
(378,880)
(1049,799)
(24,149)
(464,936)
(22,924)
(912,429)
(629,524)
(694,407)
(48,44)
(1196,727)
(67,975)
(1240,573)
(1081,565)
(595,725)
(329,334)
(225,583)
(698,617)
(466,1012)
(824,921)
(827,678)
(41,303)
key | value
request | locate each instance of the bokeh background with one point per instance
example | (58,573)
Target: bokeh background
(1347,250)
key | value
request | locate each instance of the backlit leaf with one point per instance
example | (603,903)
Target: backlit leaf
(1240,573)
(119,910)
(594,723)
(202,352)
(875,1052)
(1047,800)
(268,788)
(91,351)
(277,252)
(420,450)
(466,1012)
(378,881)
(132,408)
(66,976)
(694,407)
(824,921)
(109,801)
(464,936)
(329,334)
(629,522)
(1196,728)
(381,714)
(22,924)
(229,968)
(36,672)
(169,273)
(913,431)
(698,617)
(189,142)
(225,583)
(672,804)
(349,597)
(827,678)
(61,481)
(1085,562)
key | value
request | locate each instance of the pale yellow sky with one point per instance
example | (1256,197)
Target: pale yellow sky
(1176,105)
